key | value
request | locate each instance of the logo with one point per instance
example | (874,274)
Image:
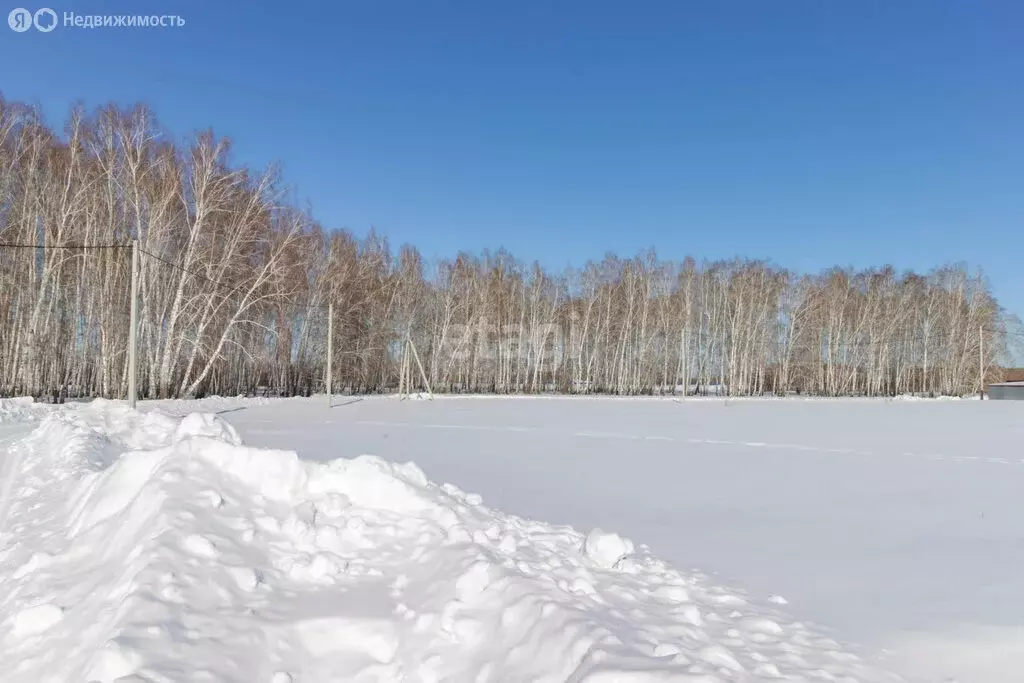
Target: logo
(20,19)
(45,20)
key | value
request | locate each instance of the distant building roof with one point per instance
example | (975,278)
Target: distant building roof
(1007,384)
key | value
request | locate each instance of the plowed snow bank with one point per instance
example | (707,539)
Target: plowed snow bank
(156,548)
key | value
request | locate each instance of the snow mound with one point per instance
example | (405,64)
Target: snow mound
(206,425)
(144,547)
(22,409)
(181,407)
(606,550)
(419,396)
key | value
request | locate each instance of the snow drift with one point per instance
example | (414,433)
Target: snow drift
(20,409)
(146,547)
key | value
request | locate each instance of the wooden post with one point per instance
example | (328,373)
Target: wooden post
(423,375)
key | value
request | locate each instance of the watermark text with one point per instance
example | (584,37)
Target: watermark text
(45,20)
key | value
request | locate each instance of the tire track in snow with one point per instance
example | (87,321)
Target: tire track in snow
(10,464)
(471,428)
(714,442)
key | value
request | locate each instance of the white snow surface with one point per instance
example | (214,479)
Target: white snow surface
(155,546)
(894,525)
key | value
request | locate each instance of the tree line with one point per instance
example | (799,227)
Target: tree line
(235,283)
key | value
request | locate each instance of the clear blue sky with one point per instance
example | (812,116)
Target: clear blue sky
(810,132)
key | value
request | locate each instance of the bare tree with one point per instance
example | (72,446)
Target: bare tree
(236,283)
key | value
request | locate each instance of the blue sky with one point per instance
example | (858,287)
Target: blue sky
(811,133)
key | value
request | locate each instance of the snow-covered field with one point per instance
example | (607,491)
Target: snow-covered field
(153,546)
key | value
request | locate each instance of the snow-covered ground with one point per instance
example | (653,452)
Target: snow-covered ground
(154,546)
(895,524)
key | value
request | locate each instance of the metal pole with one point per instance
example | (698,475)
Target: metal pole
(133,334)
(330,349)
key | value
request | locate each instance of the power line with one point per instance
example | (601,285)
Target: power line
(167,262)
(48,247)
(230,289)
(181,268)
(238,289)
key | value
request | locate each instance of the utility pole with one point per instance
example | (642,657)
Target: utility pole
(981,362)
(330,348)
(403,373)
(133,323)
(330,325)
